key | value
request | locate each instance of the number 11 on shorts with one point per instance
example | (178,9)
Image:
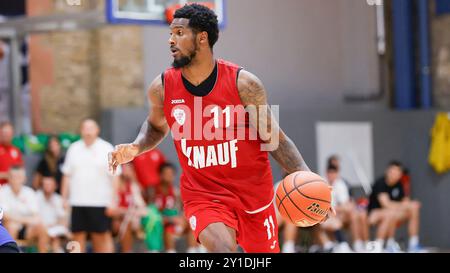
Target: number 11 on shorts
(269,224)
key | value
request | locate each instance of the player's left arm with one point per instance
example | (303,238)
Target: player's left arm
(254,97)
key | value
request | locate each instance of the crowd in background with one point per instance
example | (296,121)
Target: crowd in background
(75,198)
(363,224)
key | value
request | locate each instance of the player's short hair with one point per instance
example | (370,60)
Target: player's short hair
(47,176)
(332,168)
(395,163)
(167,165)
(16,168)
(88,119)
(331,159)
(201,18)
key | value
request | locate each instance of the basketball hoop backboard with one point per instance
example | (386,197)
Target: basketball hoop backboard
(153,11)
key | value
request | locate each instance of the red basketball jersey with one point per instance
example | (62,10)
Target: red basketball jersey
(125,195)
(220,154)
(165,200)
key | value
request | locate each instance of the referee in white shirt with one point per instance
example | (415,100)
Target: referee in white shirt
(90,189)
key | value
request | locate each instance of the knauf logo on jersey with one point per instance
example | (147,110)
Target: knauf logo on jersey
(201,157)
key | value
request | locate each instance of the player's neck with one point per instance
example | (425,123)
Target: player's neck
(200,69)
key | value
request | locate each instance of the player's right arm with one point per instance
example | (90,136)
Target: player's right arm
(253,95)
(153,130)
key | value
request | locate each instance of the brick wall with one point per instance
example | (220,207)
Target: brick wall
(78,74)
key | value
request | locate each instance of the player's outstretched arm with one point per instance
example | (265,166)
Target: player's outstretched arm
(153,130)
(253,96)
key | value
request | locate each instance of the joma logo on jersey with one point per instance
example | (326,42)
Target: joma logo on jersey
(180,101)
(315,208)
(201,157)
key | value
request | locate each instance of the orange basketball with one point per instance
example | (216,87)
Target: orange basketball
(303,198)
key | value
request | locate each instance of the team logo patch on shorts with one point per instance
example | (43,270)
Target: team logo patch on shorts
(193,222)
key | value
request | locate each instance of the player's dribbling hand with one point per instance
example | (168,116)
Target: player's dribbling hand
(122,154)
(331,212)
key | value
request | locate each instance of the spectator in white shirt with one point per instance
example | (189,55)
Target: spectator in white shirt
(52,212)
(347,214)
(21,210)
(90,189)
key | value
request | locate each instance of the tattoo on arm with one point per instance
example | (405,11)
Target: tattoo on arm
(155,128)
(149,137)
(253,94)
(288,156)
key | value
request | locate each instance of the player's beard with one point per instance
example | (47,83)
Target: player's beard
(184,60)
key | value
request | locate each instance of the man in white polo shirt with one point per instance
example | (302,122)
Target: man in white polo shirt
(90,189)
(21,210)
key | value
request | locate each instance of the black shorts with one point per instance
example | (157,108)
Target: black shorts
(90,219)
(9,248)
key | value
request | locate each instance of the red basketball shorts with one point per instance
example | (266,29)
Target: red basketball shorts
(256,232)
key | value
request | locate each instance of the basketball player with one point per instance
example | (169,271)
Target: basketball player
(226,185)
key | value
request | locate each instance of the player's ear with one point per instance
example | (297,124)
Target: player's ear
(203,37)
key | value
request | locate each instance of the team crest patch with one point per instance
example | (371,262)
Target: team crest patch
(14,154)
(193,222)
(180,116)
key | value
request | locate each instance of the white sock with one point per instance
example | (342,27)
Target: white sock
(380,242)
(413,241)
(288,247)
(390,242)
(358,246)
(202,249)
(328,245)
(192,250)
